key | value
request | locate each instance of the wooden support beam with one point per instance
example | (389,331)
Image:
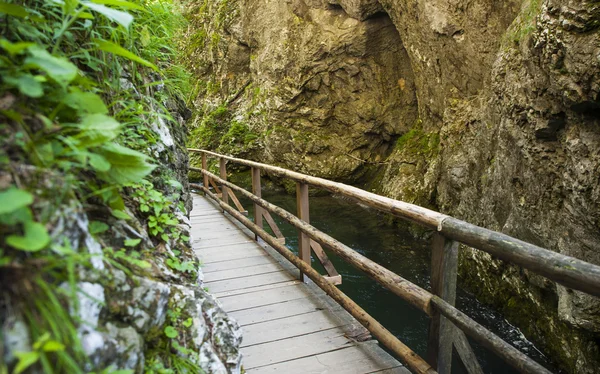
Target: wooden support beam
(257,191)
(223,175)
(488,339)
(217,189)
(303,214)
(466,354)
(205,167)
(444,262)
(274,227)
(237,203)
(334,276)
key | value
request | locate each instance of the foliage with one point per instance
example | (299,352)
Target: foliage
(75,131)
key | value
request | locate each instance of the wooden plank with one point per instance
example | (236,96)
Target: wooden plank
(237,203)
(273,226)
(250,281)
(243,249)
(274,311)
(256,289)
(223,175)
(241,272)
(257,191)
(289,327)
(324,259)
(225,236)
(302,211)
(351,360)
(466,354)
(234,254)
(293,348)
(198,244)
(263,297)
(444,265)
(205,167)
(205,214)
(217,189)
(236,264)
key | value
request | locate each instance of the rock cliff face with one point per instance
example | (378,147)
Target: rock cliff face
(486,110)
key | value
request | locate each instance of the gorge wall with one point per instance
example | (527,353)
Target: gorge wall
(488,111)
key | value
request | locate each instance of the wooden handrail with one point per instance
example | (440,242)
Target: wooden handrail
(447,323)
(566,270)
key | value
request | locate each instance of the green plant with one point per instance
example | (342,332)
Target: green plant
(75,132)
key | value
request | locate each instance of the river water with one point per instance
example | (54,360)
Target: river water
(370,233)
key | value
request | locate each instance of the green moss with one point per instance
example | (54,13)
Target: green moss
(525,23)
(418,142)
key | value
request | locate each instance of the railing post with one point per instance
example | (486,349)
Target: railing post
(256,190)
(303,214)
(223,175)
(444,262)
(204,167)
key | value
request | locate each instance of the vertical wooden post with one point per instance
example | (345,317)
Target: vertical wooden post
(444,262)
(223,175)
(256,190)
(303,214)
(205,167)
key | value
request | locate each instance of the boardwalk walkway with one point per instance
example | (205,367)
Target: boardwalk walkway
(288,326)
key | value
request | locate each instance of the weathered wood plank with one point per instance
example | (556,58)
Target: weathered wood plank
(239,263)
(257,191)
(263,297)
(292,348)
(273,226)
(466,354)
(274,311)
(204,235)
(216,188)
(288,327)
(324,259)
(198,244)
(223,175)
(255,289)
(205,167)
(250,281)
(351,360)
(237,203)
(242,252)
(241,272)
(444,265)
(302,211)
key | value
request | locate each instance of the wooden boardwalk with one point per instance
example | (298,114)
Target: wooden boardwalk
(288,326)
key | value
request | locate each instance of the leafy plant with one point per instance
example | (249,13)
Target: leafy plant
(72,132)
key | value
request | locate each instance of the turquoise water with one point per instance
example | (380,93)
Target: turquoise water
(369,233)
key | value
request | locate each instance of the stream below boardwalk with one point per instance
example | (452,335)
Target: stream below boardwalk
(370,233)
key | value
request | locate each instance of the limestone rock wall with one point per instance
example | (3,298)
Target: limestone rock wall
(484,110)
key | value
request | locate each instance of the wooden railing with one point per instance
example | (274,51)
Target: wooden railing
(448,326)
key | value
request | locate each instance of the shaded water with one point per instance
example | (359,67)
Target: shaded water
(367,231)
